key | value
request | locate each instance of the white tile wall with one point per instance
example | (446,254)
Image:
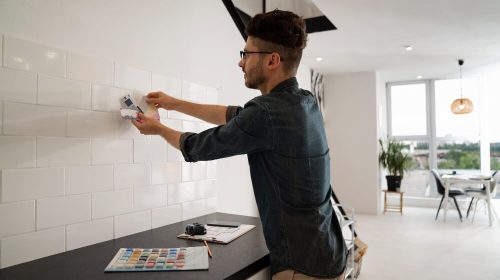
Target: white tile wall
(28,56)
(211,169)
(88,233)
(166,215)
(162,173)
(150,151)
(27,119)
(109,151)
(107,204)
(131,175)
(107,98)
(190,126)
(150,197)
(57,151)
(83,123)
(133,78)
(56,91)
(17,217)
(57,211)
(182,192)
(31,246)
(194,209)
(17,151)
(85,68)
(132,223)
(73,172)
(30,183)
(88,179)
(170,85)
(17,86)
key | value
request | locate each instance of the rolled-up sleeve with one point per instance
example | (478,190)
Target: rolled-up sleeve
(247,131)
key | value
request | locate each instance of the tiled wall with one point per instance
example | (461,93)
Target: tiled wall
(73,173)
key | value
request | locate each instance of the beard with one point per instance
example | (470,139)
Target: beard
(254,77)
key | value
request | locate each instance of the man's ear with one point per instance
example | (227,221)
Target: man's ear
(274,61)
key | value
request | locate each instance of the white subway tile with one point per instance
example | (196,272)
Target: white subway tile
(132,78)
(57,211)
(127,130)
(17,151)
(206,189)
(132,223)
(179,116)
(109,151)
(195,127)
(170,85)
(212,95)
(192,171)
(17,86)
(131,175)
(212,169)
(194,209)
(107,204)
(212,205)
(82,123)
(107,98)
(166,215)
(150,151)
(16,218)
(174,154)
(85,68)
(194,92)
(162,173)
(27,119)
(150,197)
(88,233)
(55,151)
(87,179)
(61,92)
(24,184)
(24,55)
(31,246)
(181,192)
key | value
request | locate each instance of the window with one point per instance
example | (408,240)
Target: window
(459,155)
(408,110)
(416,179)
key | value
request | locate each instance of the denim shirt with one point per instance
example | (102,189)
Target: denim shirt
(283,134)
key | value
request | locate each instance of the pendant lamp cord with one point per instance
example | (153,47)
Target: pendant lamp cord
(460,63)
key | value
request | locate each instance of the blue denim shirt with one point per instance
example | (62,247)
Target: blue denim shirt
(283,134)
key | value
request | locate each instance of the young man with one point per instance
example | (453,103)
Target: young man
(283,135)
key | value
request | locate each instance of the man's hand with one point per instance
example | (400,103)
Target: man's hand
(147,126)
(162,100)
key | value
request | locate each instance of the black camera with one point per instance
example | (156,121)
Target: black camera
(195,229)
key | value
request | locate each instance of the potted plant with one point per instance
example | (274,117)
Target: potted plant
(392,158)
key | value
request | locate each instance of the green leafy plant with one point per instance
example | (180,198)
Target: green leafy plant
(391,157)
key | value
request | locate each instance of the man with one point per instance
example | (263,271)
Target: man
(283,134)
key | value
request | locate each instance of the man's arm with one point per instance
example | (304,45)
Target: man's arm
(215,114)
(150,126)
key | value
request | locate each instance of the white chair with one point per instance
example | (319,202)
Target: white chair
(480,195)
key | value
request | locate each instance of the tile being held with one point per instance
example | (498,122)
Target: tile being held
(17,86)
(61,92)
(86,68)
(29,56)
(37,120)
(132,78)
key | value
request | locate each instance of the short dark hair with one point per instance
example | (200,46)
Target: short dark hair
(283,32)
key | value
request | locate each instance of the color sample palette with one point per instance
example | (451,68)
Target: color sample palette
(159,259)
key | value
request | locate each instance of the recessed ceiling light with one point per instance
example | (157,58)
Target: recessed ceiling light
(419,77)
(408,48)
(319,58)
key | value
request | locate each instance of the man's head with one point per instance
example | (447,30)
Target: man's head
(281,32)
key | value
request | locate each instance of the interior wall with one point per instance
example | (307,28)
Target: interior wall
(61,122)
(351,122)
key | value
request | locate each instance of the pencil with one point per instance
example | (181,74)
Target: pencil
(208,248)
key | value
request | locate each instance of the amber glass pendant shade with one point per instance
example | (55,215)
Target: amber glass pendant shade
(462,106)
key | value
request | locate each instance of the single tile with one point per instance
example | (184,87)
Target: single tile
(31,183)
(88,233)
(17,217)
(57,151)
(132,223)
(92,69)
(17,86)
(61,92)
(63,210)
(132,78)
(36,120)
(17,151)
(88,179)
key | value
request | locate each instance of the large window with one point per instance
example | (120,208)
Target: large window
(408,108)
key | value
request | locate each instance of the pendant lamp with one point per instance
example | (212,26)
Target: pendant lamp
(461,105)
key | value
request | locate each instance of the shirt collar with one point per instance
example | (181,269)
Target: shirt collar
(288,83)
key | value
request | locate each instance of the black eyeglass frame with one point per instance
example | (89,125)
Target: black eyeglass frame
(243,54)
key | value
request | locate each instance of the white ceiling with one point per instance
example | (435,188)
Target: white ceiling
(372,34)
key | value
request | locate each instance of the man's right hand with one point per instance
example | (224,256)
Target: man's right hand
(162,100)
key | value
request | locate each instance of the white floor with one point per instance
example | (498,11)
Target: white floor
(415,246)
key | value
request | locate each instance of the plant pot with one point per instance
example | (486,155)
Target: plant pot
(393,182)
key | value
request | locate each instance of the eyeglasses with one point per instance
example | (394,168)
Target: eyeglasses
(244,54)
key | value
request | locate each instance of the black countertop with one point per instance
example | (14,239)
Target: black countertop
(239,259)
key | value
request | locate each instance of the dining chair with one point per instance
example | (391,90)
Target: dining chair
(452,193)
(478,194)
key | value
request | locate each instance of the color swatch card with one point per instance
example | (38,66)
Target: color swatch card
(159,259)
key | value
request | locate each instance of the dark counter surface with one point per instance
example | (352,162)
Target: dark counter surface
(239,259)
